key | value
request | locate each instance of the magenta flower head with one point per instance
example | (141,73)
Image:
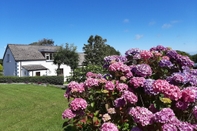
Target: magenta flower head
(137,82)
(109,85)
(142,70)
(166,115)
(169,127)
(141,115)
(188,95)
(91,82)
(108,126)
(129,96)
(78,104)
(146,54)
(68,113)
(76,87)
(121,87)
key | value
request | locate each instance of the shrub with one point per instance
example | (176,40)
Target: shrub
(144,90)
(56,80)
(79,74)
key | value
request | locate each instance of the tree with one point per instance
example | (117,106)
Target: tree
(67,55)
(46,42)
(194,58)
(183,53)
(96,50)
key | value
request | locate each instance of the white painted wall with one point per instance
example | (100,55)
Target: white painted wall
(9,67)
(48,64)
(13,68)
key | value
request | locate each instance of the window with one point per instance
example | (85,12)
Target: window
(49,56)
(37,73)
(8,57)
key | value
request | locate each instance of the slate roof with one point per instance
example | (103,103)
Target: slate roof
(34,67)
(30,52)
(22,52)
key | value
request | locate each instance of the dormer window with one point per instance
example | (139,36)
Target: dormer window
(49,56)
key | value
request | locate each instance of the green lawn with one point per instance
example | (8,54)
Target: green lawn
(26,107)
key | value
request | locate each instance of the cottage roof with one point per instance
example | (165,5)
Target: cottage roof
(34,67)
(30,52)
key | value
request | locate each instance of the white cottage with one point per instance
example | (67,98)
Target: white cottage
(32,60)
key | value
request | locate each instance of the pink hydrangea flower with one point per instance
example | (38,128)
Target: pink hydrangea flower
(108,126)
(78,104)
(91,82)
(160,85)
(109,85)
(146,54)
(68,113)
(121,87)
(76,87)
(188,95)
(137,82)
(141,115)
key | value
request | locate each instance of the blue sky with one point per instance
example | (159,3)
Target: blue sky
(124,23)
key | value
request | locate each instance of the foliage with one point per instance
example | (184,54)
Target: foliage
(96,50)
(46,42)
(56,80)
(1,70)
(194,58)
(144,90)
(183,53)
(79,74)
(39,107)
(67,55)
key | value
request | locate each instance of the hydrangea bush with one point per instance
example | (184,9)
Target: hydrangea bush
(145,90)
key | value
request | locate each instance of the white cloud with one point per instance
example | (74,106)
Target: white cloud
(165,26)
(138,36)
(126,20)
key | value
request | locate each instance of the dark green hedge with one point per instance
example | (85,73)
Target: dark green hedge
(56,80)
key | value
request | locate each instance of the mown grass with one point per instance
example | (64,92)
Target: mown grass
(26,107)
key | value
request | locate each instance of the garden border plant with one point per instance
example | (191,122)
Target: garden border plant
(144,90)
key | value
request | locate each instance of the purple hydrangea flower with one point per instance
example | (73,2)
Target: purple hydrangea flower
(142,70)
(141,115)
(114,58)
(108,126)
(68,113)
(182,105)
(166,115)
(158,48)
(78,104)
(169,127)
(119,102)
(165,63)
(148,87)
(132,52)
(184,61)
(129,97)
(172,54)
(184,126)
(136,129)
